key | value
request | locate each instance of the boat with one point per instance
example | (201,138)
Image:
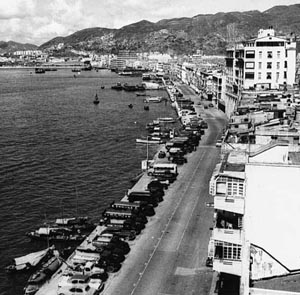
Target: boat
(102,87)
(166,120)
(96,100)
(82,222)
(150,140)
(130,105)
(153,99)
(29,261)
(40,71)
(146,108)
(118,86)
(56,234)
(37,279)
(76,70)
(141,94)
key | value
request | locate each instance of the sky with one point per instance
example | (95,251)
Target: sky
(38,21)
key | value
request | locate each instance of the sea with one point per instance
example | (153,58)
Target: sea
(62,154)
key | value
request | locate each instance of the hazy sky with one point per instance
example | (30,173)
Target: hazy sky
(37,21)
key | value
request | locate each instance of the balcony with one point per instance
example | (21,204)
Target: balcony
(234,236)
(233,267)
(230,204)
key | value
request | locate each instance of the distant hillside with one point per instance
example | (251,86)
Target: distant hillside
(11,46)
(183,35)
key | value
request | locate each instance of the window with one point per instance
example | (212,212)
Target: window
(249,65)
(249,75)
(269,54)
(259,76)
(235,187)
(284,75)
(278,54)
(269,65)
(285,64)
(250,54)
(278,65)
(277,76)
(269,75)
(260,54)
(259,65)
(227,251)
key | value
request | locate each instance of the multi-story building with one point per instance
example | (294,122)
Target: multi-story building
(254,240)
(266,62)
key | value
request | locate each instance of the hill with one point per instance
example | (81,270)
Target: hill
(183,35)
(11,46)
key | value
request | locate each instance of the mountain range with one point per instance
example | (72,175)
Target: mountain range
(207,32)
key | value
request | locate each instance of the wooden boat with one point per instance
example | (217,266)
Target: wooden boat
(96,100)
(56,234)
(30,261)
(40,71)
(166,120)
(150,140)
(37,279)
(155,99)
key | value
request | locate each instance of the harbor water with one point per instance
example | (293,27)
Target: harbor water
(61,155)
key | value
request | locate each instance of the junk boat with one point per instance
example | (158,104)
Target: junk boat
(30,261)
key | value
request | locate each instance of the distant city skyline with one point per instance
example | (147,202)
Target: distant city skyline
(37,21)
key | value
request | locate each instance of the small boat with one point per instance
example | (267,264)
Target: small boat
(141,94)
(29,261)
(96,100)
(150,140)
(118,86)
(37,279)
(166,120)
(146,108)
(40,71)
(130,105)
(56,234)
(102,87)
(76,70)
(153,99)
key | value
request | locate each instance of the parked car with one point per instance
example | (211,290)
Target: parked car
(210,105)
(161,154)
(219,143)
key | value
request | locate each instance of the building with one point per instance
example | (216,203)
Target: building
(255,235)
(266,62)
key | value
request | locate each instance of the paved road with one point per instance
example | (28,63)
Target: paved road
(169,257)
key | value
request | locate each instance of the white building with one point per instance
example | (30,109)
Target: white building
(266,62)
(255,237)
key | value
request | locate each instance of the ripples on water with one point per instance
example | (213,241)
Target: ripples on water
(54,141)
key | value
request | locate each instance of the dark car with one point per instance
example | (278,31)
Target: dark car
(179,161)
(161,154)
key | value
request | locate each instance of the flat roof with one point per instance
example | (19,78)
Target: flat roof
(272,211)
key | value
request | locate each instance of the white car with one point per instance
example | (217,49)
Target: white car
(219,143)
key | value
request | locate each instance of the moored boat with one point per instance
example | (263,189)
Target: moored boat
(150,140)
(37,279)
(166,120)
(29,261)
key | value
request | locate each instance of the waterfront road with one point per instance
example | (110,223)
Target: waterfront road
(168,258)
